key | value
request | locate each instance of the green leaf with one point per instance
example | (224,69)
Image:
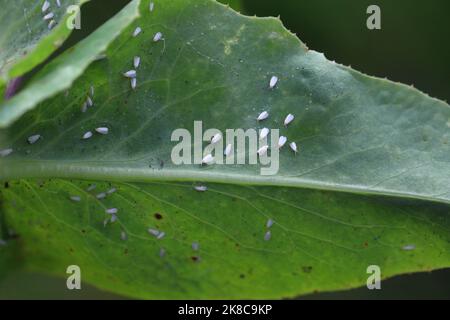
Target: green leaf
(27,40)
(60,75)
(370,180)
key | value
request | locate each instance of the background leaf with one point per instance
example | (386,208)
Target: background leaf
(357,134)
(60,75)
(27,40)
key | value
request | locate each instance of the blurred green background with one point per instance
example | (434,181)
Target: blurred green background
(412,47)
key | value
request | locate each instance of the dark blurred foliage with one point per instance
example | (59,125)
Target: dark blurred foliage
(412,47)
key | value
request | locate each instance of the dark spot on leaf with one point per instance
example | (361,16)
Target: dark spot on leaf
(158,216)
(242,276)
(307,269)
(195,258)
(6,185)
(125,251)
(365,244)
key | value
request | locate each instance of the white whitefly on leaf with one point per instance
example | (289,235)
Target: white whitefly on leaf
(136,61)
(45,6)
(89,102)
(133,83)
(123,235)
(151,6)
(195,246)
(263,133)
(5,152)
(281,141)
(92,91)
(111,210)
(273,82)
(102,130)
(113,218)
(137,31)
(269,223)
(208,159)
(48,16)
(267,235)
(130,74)
(263,150)
(216,138)
(162,252)
(75,198)
(409,247)
(293,146)
(34,138)
(263,116)
(153,232)
(288,119)
(101,195)
(91,187)
(84,107)
(87,135)
(201,188)
(111,191)
(161,235)
(58,3)
(227,150)
(158,36)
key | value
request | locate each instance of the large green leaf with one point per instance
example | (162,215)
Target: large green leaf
(60,75)
(365,186)
(26,39)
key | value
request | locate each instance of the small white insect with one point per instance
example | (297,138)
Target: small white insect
(75,198)
(58,3)
(101,195)
(293,146)
(201,188)
(273,82)
(153,232)
(137,31)
(111,191)
(160,235)
(158,36)
(269,223)
(263,133)
(195,246)
(281,141)
(113,218)
(123,236)
(208,159)
(162,252)
(91,187)
(111,210)
(51,24)
(102,130)
(216,138)
(136,61)
(263,116)
(151,6)
(34,138)
(288,119)
(130,74)
(409,247)
(49,16)
(84,107)
(267,235)
(87,135)
(227,151)
(133,83)
(45,6)
(92,91)
(89,102)
(5,152)
(263,150)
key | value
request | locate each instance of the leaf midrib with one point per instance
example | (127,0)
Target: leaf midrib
(104,171)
